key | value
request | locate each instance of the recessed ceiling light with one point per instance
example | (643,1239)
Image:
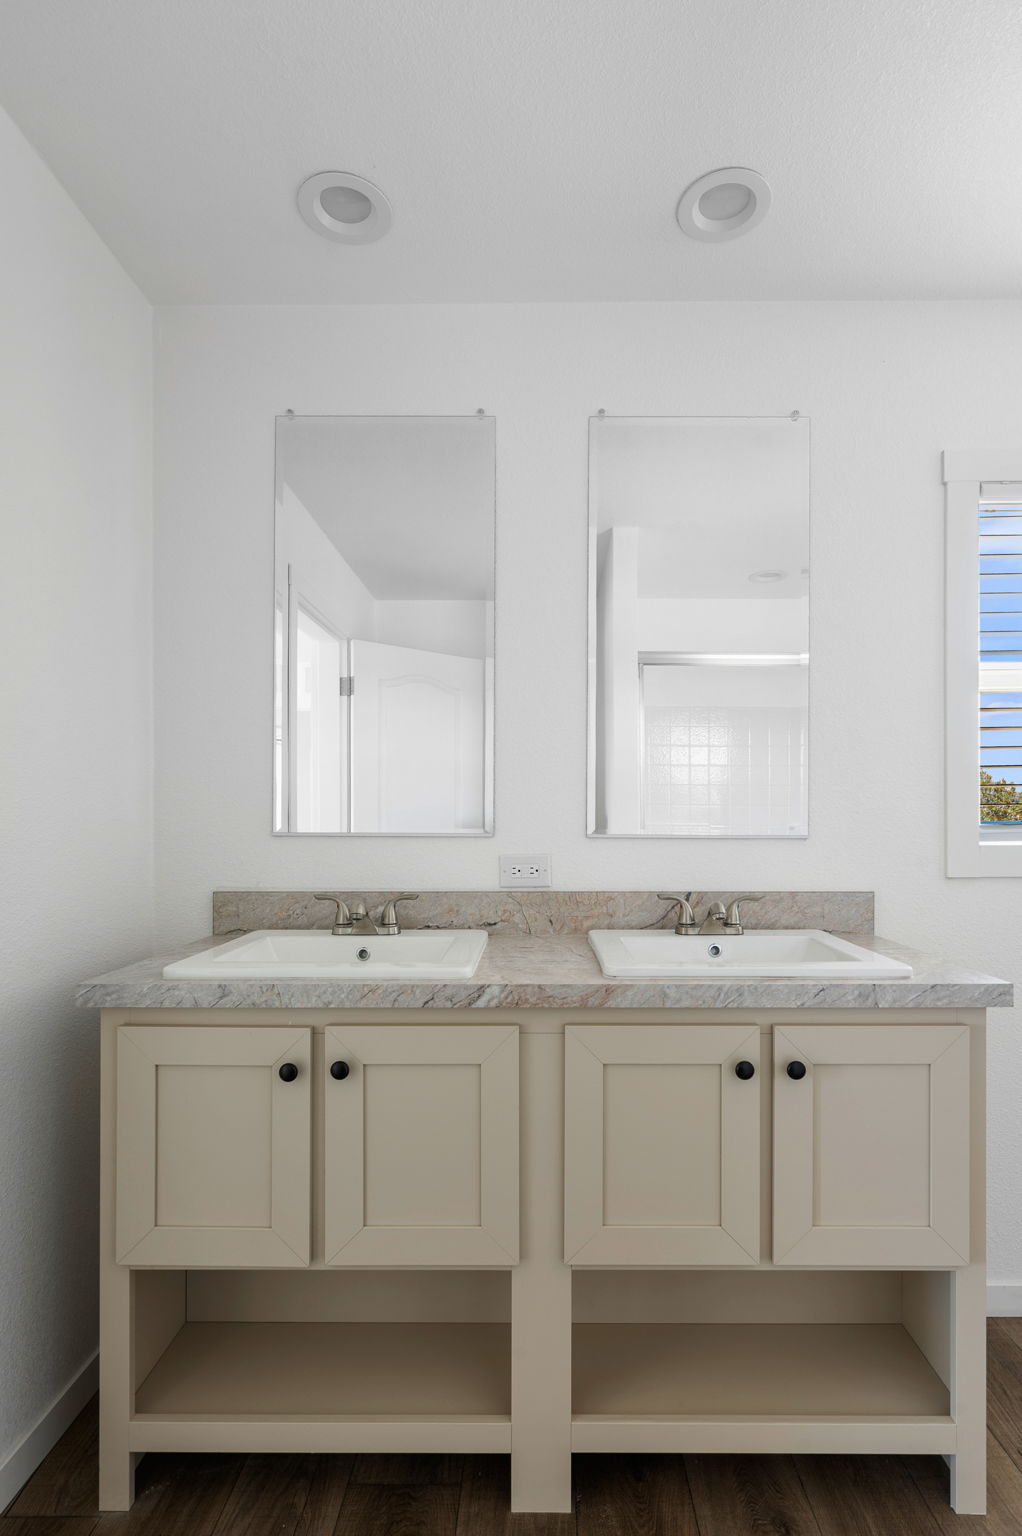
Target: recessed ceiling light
(344,207)
(723,204)
(767,575)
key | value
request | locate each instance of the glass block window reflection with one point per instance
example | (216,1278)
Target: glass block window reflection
(724,769)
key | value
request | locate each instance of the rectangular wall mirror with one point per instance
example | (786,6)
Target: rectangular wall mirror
(383,625)
(698,626)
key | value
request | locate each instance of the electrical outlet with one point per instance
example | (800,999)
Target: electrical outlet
(534,871)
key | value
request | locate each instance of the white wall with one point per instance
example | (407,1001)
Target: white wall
(319,571)
(76,797)
(452,626)
(887,385)
(616,778)
(747,624)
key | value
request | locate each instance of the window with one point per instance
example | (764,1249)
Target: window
(984,663)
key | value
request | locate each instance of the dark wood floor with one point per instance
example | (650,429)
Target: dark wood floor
(468,1495)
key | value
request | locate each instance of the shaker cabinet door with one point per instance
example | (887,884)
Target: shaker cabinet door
(421,1141)
(661,1151)
(213,1146)
(871,1144)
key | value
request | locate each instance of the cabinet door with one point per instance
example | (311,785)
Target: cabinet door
(421,1144)
(213,1147)
(871,1144)
(661,1150)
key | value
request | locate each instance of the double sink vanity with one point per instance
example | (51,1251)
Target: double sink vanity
(541,1174)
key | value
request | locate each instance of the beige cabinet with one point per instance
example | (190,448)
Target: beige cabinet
(310,1233)
(213,1144)
(871,1144)
(421,1144)
(661,1149)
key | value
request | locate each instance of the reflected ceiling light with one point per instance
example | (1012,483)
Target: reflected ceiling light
(767,575)
(344,207)
(723,204)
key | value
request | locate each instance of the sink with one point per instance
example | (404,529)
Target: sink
(805,952)
(442,954)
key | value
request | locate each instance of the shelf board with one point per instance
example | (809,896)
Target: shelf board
(752,1370)
(360,1371)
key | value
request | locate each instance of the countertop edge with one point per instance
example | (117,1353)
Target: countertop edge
(580,985)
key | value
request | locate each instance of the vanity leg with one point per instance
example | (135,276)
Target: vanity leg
(541,1295)
(116,1461)
(116,1309)
(968,1317)
(968,1397)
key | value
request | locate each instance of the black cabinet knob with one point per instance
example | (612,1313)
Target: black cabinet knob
(745,1070)
(339,1069)
(796,1070)
(288,1072)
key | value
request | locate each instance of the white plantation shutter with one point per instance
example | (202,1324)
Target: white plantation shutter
(983,702)
(1000,656)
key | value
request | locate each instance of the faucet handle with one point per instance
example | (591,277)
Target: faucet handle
(388,918)
(686,917)
(734,911)
(342,923)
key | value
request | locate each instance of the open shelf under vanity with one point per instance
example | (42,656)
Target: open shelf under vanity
(344,1370)
(226,1359)
(699,1361)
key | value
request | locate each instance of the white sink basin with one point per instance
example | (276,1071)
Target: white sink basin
(805,952)
(445,954)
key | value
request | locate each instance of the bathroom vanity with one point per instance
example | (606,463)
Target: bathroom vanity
(544,1212)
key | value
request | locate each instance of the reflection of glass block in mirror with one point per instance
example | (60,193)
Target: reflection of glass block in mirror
(699,633)
(737,772)
(383,638)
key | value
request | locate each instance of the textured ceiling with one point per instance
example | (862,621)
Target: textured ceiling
(533,149)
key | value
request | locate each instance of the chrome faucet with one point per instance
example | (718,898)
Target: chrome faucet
(342,925)
(388,917)
(356,919)
(733,916)
(686,917)
(715,920)
(687,924)
(361,922)
(718,919)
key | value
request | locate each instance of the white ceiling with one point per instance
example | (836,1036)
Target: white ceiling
(533,149)
(407,500)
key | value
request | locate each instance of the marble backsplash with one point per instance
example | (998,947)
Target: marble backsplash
(544,912)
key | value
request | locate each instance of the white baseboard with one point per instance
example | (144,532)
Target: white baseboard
(1004,1301)
(24,1459)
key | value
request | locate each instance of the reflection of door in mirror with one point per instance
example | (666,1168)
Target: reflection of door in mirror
(698,604)
(417,758)
(320,779)
(383,646)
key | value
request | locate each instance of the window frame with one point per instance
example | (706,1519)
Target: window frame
(965,472)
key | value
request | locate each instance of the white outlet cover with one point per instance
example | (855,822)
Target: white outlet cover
(525,870)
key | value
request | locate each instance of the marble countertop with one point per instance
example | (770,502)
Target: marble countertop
(551,971)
